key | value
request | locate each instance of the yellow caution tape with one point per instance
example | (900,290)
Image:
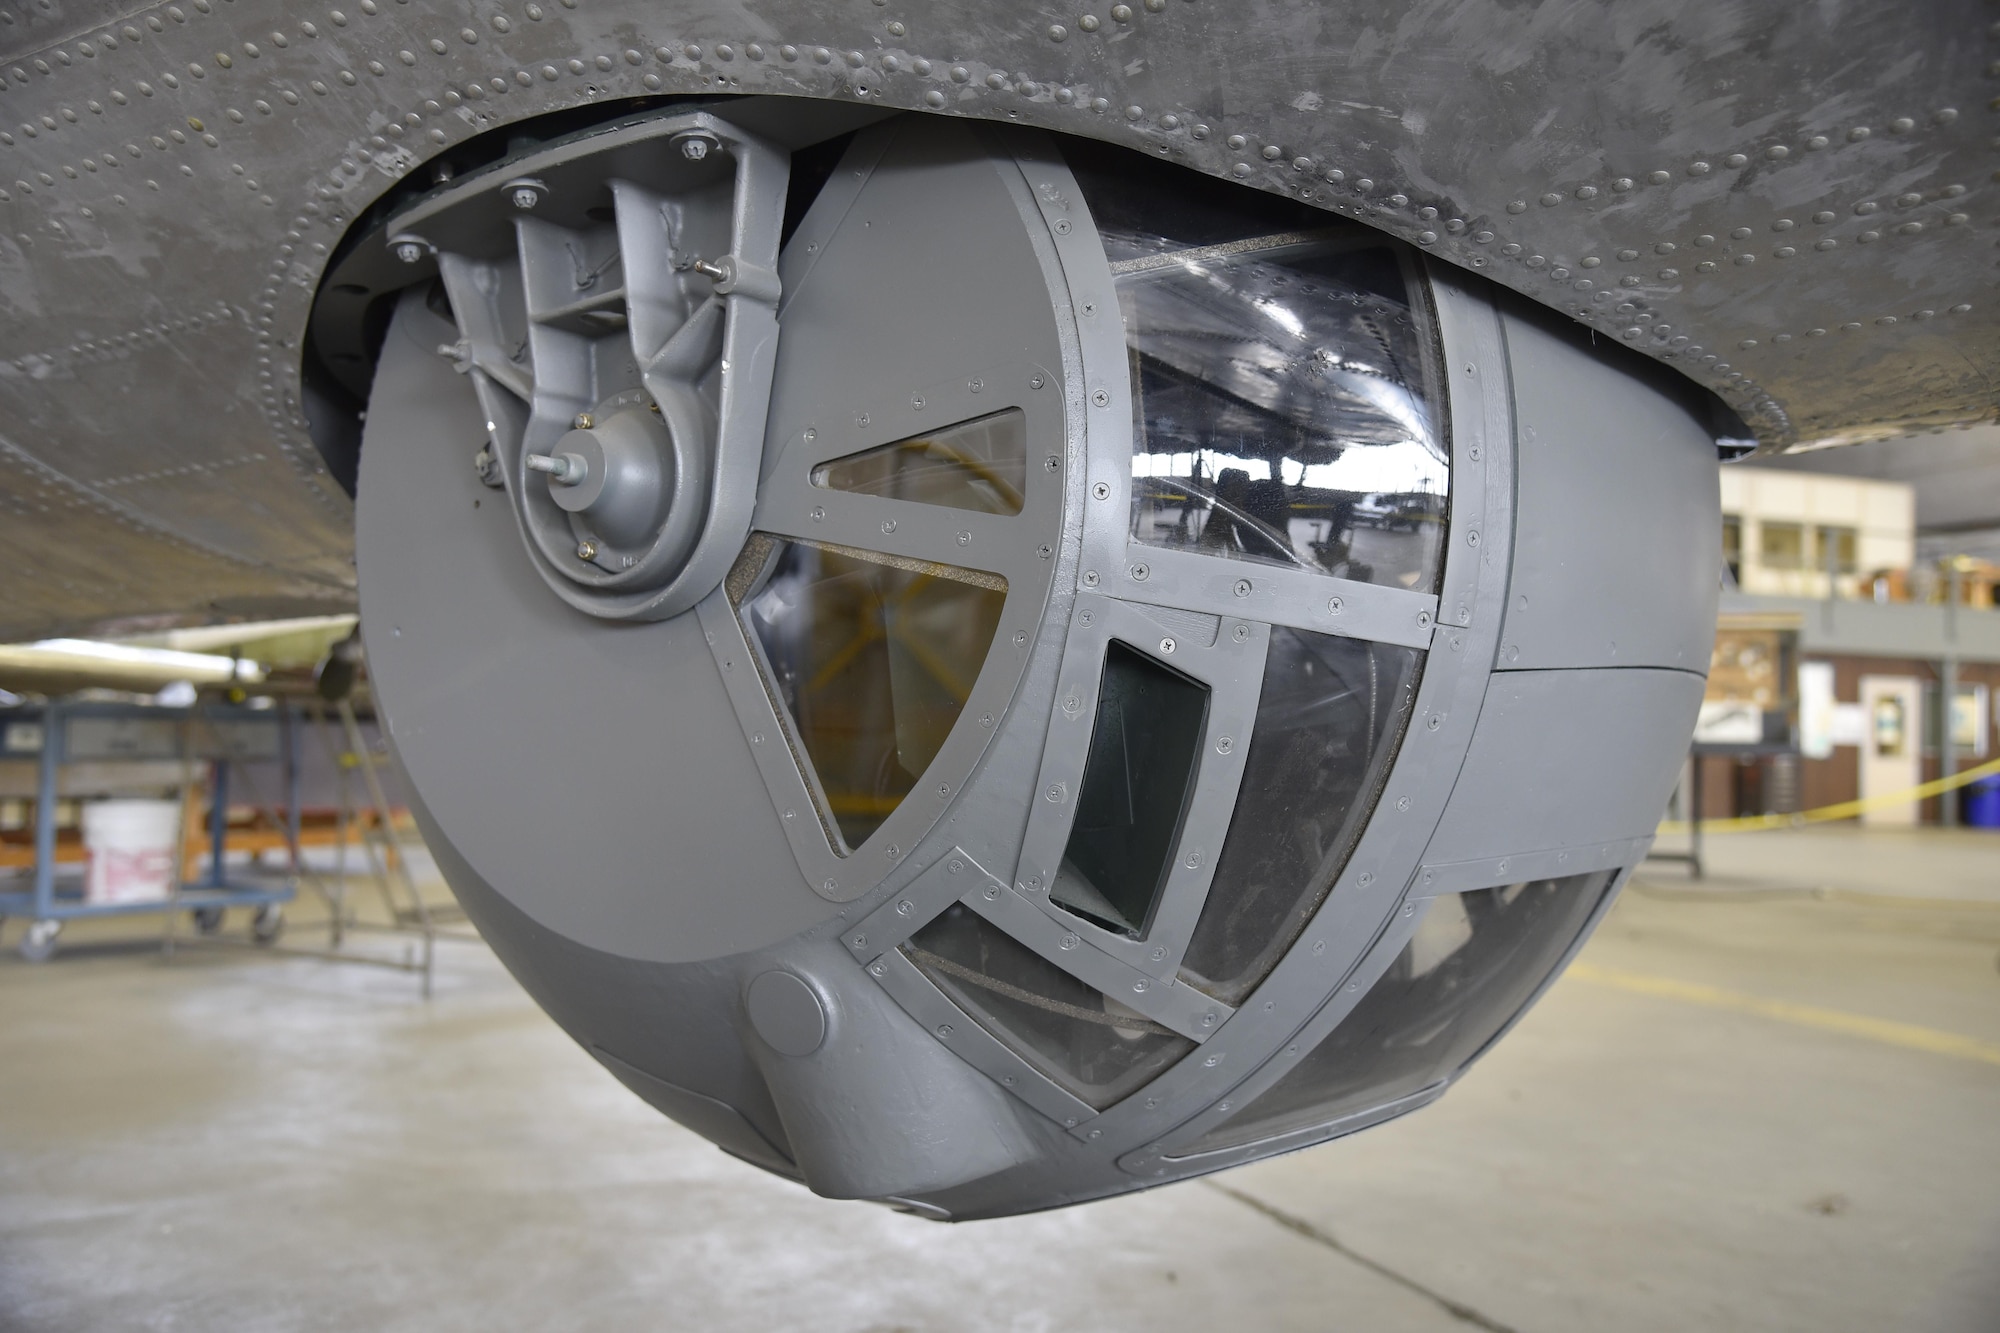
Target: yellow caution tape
(1844,810)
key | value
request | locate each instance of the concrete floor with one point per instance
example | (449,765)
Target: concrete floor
(1752,1106)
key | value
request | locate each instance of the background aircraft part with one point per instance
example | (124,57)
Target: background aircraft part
(1129,741)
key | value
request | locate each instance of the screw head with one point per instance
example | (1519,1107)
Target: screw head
(1242,587)
(584,421)
(1140,573)
(695,147)
(586,550)
(526,198)
(1166,645)
(1102,490)
(1333,606)
(409,252)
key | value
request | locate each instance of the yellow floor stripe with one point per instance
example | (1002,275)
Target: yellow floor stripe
(1907,1035)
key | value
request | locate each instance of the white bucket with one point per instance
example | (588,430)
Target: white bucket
(131,849)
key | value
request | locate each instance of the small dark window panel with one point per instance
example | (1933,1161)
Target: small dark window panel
(1143,758)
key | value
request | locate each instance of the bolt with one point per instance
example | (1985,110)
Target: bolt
(1333,606)
(717,273)
(1240,633)
(888,526)
(1142,985)
(563,469)
(1045,551)
(965,539)
(1166,645)
(1140,573)
(526,198)
(1102,490)
(586,550)
(944,1030)
(409,252)
(905,907)
(1159,953)
(1070,941)
(1090,578)
(1224,744)
(1243,587)
(876,970)
(1034,381)
(584,421)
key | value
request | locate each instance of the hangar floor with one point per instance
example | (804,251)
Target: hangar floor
(1766,1102)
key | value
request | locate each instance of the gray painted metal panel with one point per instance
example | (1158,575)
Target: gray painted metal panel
(1618,533)
(602,833)
(1536,778)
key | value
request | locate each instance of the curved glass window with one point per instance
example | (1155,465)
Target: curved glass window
(1280,376)
(1281,412)
(1330,719)
(872,658)
(1081,1038)
(1475,961)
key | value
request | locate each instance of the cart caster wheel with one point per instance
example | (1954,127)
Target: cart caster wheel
(268,923)
(39,944)
(207,920)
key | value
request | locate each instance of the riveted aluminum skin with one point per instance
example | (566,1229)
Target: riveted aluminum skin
(1791,209)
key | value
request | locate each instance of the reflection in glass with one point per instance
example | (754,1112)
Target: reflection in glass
(1281,410)
(1329,722)
(873,661)
(1085,1041)
(980,465)
(1474,962)
(1143,751)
